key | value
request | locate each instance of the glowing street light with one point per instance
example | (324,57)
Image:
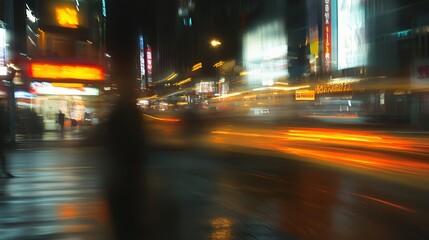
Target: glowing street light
(215,43)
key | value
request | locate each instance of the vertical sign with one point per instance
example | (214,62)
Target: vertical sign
(327,35)
(313,33)
(3,67)
(149,63)
(103,7)
(142,62)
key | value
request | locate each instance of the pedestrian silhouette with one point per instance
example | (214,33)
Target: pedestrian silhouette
(3,164)
(61,120)
(125,183)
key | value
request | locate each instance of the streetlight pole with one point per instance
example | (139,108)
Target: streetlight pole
(12,105)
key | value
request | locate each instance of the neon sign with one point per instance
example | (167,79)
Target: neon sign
(66,71)
(149,63)
(327,35)
(67,17)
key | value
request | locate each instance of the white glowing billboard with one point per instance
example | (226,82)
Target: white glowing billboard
(3,45)
(46,88)
(205,87)
(352,47)
(265,52)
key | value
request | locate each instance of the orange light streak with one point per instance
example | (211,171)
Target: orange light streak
(162,119)
(335,135)
(375,152)
(384,202)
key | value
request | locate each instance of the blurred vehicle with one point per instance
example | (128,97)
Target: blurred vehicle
(259,111)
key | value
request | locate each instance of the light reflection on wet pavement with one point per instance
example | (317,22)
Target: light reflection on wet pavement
(207,194)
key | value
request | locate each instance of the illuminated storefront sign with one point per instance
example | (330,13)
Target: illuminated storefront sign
(327,53)
(66,71)
(305,95)
(24,95)
(337,87)
(67,85)
(67,17)
(205,87)
(45,88)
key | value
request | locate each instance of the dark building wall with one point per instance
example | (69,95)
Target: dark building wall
(392,46)
(179,46)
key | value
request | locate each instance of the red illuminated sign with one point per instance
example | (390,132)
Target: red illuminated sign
(327,34)
(423,71)
(65,71)
(149,63)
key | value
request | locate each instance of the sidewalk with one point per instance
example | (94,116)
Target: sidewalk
(51,138)
(60,194)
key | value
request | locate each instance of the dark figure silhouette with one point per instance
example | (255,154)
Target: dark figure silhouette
(126,189)
(3,164)
(61,120)
(125,176)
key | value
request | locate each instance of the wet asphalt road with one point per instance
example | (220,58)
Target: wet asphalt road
(206,194)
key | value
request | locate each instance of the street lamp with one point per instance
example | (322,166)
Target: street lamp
(215,43)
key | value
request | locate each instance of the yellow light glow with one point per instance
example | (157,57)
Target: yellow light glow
(218,64)
(57,71)
(183,81)
(197,66)
(305,95)
(172,76)
(162,119)
(67,17)
(68,85)
(280,88)
(215,43)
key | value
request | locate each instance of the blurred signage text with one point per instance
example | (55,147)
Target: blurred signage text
(67,17)
(66,71)
(327,34)
(305,95)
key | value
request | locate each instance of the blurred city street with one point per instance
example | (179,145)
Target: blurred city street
(214,119)
(228,188)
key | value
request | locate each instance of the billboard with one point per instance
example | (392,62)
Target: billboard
(63,13)
(265,53)
(352,48)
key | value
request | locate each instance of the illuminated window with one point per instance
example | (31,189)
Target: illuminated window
(67,17)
